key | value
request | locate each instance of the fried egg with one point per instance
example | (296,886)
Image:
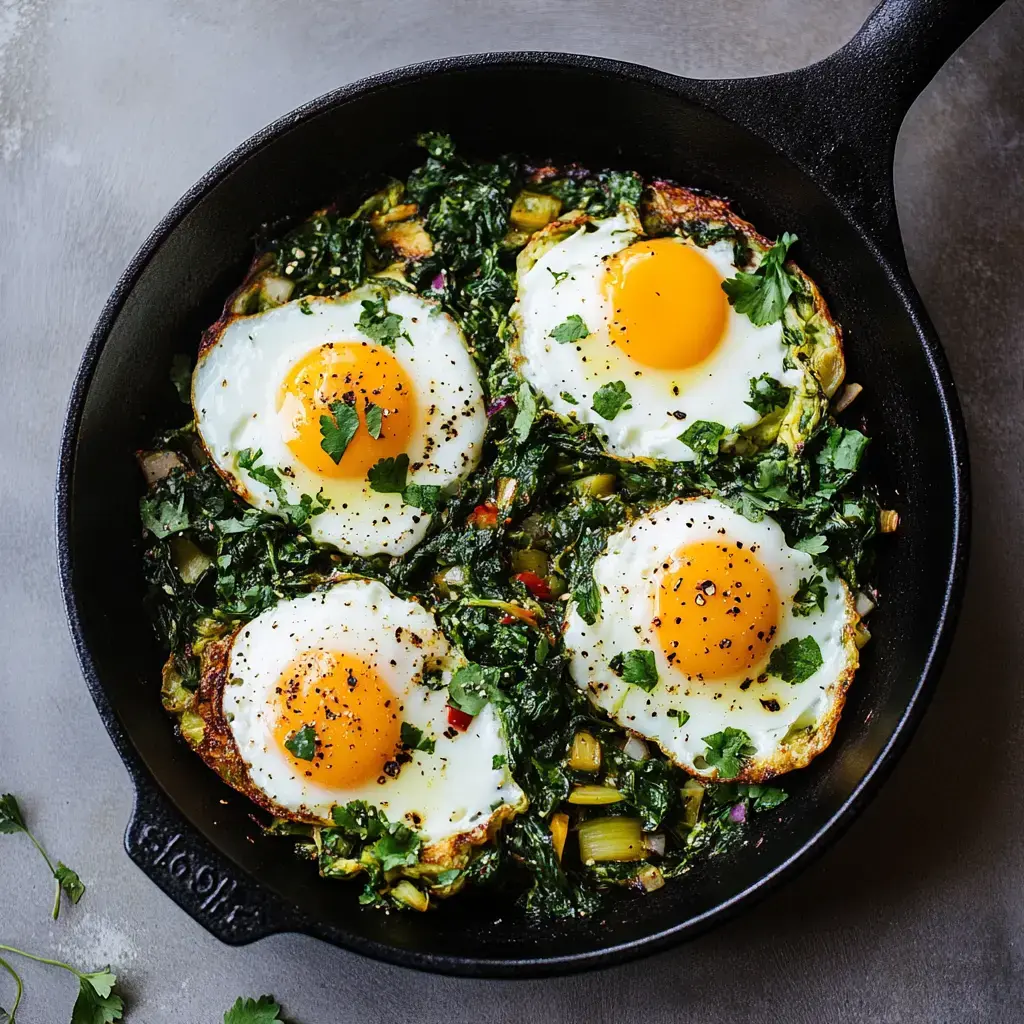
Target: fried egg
(738,631)
(606,308)
(266,383)
(341,695)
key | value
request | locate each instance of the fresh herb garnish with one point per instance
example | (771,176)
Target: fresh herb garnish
(68,882)
(637,668)
(766,394)
(703,437)
(571,329)
(498,761)
(302,743)
(527,406)
(763,295)
(796,660)
(338,429)
(265,1010)
(379,325)
(611,399)
(412,738)
(388,475)
(97,1002)
(810,594)
(566,397)
(682,717)
(559,276)
(473,687)
(728,751)
(374,420)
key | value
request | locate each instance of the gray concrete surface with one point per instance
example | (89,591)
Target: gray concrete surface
(108,111)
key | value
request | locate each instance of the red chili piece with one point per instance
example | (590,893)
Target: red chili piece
(458,719)
(536,585)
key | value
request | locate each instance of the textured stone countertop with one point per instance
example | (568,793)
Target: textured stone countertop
(109,109)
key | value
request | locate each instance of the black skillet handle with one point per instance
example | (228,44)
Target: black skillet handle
(838,119)
(204,883)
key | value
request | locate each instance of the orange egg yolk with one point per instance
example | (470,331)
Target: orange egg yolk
(717,610)
(668,307)
(356,373)
(355,716)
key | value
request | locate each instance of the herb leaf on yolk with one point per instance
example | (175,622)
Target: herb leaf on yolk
(796,660)
(611,399)
(571,329)
(637,668)
(339,431)
(303,743)
(728,751)
(379,325)
(766,394)
(374,420)
(763,294)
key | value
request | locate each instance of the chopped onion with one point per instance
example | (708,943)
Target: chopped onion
(437,284)
(738,813)
(864,604)
(496,407)
(850,392)
(635,748)
(655,843)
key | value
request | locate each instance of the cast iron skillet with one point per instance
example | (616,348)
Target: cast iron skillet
(810,152)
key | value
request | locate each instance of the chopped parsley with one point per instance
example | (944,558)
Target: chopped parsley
(560,276)
(763,294)
(302,743)
(571,329)
(566,397)
(766,394)
(611,399)
(702,437)
(473,687)
(637,668)
(413,738)
(388,475)
(338,429)
(374,420)
(796,660)
(379,325)
(682,717)
(527,406)
(728,751)
(810,594)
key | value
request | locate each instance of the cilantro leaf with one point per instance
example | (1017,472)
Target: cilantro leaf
(388,476)
(637,668)
(339,431)
(498,761)
(839,459)
(527,406)
(796,660)
(816,544)
(249,459)
(810,595)
(264,1010)
(682,716)
(568,398)
(763,295)
(558,275)
(304,307)
(69,881)
(164,517)
(764,797)
(96,1002)
(181,377)
(728,751)
(11,818)
(412,737)
(398,847)
(611,399)
(379,325)
(360,819)
(374,420)
(587,596)
(703,437)
(766,394)
(447,877)
(302,743)
(473,687)
(571,329)
(423,496)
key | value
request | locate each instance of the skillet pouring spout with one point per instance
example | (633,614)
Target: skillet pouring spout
(808,152)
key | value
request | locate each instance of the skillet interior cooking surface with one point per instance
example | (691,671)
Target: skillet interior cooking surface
(193,835)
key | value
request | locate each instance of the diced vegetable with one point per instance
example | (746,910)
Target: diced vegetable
(597,485)
(655,843)
(454,578)
(864,604)
(507,487)
(484,517)
(888,520)
(692,794)
(595,796)
(651,878)
(603,839)
(409,239)
(559,830)
(275,291)
(403,211)
(192,728)
(536,585)
(407,893)
(530,560)
(635,748)
(189,560)
(861,636)
(459,719)
(531,210)
(585,753)
(557,586)
(157,466)
(850,392)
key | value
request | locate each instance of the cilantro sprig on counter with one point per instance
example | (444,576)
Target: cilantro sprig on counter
(97,1002)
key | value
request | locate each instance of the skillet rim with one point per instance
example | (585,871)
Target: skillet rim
(143,780)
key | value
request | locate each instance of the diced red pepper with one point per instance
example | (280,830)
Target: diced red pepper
(458,719)
(506,620)
(536,585)
(484,516)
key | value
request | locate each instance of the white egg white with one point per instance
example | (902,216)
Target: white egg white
(628,573)
(235,396)
(447,793)
(567,280)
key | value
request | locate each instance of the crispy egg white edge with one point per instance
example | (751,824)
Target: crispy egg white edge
(237,379)
(651,428)
(624,624)
(460,769)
